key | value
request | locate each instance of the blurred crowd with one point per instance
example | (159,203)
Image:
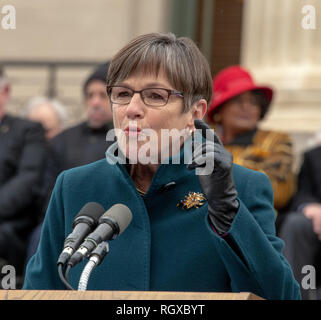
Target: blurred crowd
(34,149)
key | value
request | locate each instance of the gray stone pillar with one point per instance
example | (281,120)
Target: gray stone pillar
(280,52)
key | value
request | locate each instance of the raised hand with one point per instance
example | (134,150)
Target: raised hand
(217,184)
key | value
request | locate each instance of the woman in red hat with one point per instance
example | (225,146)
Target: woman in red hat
(237,107)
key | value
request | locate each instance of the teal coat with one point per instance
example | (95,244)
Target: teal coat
(167,248)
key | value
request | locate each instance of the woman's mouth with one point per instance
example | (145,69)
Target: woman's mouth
(132,131)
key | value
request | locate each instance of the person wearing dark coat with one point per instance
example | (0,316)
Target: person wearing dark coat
(23,151)
(80,145)
(199,223)
(83,143)
(301,230)
(86,142)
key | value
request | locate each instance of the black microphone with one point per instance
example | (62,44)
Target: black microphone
(85,222)
(111,224)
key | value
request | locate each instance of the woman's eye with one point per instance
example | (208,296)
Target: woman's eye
(156,96)
(123,94)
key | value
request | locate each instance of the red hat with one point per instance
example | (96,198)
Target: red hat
(231,82)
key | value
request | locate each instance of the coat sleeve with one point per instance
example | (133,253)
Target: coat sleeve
(22,189)
(251,251)
(41,272)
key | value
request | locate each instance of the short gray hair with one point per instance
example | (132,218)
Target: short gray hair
(56,105)
(184,65)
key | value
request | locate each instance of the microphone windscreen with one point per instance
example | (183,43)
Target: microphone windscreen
(91,209)
(120,214)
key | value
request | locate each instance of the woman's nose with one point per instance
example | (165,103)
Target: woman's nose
(136,107)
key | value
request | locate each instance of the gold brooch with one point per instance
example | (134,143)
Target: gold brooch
(193,199)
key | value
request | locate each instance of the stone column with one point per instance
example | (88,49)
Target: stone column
(280,52)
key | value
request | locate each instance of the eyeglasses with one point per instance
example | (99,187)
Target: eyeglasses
(154,97)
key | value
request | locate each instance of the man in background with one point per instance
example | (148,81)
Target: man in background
(53,117)
(86,142)
(22,161)
(83,143)
(301,230)
(51,114)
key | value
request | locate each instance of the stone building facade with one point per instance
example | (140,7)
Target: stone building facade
(275,46)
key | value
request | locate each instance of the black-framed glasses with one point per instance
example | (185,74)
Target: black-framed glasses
(154,97)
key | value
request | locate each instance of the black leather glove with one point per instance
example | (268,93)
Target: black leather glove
(218,185)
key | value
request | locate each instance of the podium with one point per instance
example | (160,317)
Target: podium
(122,295)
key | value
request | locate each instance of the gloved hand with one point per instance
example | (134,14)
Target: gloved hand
(218,185)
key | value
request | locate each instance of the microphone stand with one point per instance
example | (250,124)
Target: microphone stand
(95,259)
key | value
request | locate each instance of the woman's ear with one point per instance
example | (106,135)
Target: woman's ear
(198,111)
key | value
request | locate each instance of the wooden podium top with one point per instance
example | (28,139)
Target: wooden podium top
(121,295)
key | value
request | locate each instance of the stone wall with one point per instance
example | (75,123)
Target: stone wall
(282,53)
(73,30)
(275,47)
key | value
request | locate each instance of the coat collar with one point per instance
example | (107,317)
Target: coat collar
(168,174)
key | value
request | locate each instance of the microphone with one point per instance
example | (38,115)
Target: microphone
(111,224)
(85,221)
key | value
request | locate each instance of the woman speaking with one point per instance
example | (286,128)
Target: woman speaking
(195,227)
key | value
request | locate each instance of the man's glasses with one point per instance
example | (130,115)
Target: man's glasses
(154,97)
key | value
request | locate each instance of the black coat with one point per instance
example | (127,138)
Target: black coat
(80,145)
(23,156)
(309,182)
(76,146)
